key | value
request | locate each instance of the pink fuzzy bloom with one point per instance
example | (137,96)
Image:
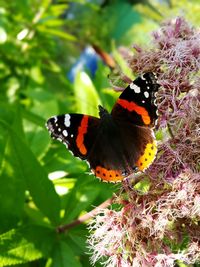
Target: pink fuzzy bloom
(159,226)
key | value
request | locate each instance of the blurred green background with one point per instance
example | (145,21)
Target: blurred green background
(51,63)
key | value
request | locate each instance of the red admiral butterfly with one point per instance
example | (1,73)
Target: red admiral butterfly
(118,143)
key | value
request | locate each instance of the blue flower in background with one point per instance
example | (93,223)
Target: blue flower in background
(88,60)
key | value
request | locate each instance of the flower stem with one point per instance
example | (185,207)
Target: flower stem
(85,217)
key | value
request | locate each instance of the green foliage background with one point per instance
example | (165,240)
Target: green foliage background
(41,185)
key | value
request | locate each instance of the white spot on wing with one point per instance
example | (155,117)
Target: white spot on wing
(67,120)
(146,94)
(65,133)
(142,77)
(135,88)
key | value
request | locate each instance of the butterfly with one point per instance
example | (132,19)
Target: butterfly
(119,143)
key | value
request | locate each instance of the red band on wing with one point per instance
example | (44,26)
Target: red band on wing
(131,106)
(82,130)
(108,175)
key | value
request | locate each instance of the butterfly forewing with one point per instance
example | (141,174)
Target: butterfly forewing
(76,131)
(137,103)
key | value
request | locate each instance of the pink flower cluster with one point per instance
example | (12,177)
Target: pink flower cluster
(161,226)
(152,229)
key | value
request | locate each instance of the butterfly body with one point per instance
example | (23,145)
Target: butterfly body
(118,143)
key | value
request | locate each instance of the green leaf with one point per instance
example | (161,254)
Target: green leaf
(30,116)
(125,17)
(77,239)
(30,171)
(58,9)
(56,32)
(79,199)
(38,139)
(7,115)
(12,187)
(87,98)
(36,74)
(53,22)
(44,103)
(25,244)
(122,66)
(64,256)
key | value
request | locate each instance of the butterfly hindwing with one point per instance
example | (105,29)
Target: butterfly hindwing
(137,102)
(122,150)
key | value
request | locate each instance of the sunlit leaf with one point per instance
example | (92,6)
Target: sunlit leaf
(82,196)
(25,244)
(58,33)
(31,172)
(63,256)
(87,99)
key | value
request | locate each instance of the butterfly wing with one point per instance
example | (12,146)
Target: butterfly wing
(135,113)
(106,158)
(76,131)
(137,103)
(114,145)
(140,146)
(120,149)
(91,139)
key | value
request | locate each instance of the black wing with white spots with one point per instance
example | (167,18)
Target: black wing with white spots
(76,131)
(137,103)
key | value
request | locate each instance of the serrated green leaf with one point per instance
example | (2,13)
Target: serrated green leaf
(87,98)
(64,256)
(25,244)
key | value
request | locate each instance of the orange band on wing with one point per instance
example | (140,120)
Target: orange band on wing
(108,175)
(131,106)
(82,130)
